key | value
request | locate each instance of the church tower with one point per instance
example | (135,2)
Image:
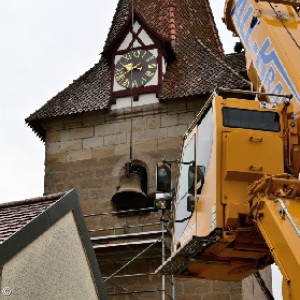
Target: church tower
(161,61)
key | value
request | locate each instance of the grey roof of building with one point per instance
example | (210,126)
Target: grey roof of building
(15,215)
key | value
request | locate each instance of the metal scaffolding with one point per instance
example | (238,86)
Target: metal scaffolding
(147,238)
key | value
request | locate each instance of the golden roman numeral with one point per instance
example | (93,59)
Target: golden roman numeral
(144,53)
(126,83)
(150,58)
(119,71)
(127,57)
(137,53)
(152,66)
(120,77)
(135,84)
(149,73)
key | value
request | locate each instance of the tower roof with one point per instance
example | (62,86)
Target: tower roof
(185,27)
(178,21)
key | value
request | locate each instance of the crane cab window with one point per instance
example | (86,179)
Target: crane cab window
(184,188)
(205,142)
(251,119)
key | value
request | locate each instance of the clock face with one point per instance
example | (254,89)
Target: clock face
(135,68)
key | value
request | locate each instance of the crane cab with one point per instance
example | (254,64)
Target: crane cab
(232,143)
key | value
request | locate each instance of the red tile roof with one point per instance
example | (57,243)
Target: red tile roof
(15,215)
(199,71)
(185,26)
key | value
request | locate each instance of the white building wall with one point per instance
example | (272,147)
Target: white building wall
(143,100)
(54,266)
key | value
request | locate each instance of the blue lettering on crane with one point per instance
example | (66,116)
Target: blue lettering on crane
(240,19)
(267,61)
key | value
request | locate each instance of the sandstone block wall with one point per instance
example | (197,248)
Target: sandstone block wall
(88,152)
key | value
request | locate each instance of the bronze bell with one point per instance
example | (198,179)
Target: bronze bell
(129,194)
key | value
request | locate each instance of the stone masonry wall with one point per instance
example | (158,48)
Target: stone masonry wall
(87,152)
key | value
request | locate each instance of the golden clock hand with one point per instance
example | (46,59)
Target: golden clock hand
(128,67)
(137,67)
(131,68)
(123,74)
(125,66)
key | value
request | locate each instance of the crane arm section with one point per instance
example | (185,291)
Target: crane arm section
(276,211)
(270,34)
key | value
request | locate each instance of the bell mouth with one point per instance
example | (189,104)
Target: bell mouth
(129,199)
(129,194)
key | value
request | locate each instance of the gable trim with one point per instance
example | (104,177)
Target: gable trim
(116,42)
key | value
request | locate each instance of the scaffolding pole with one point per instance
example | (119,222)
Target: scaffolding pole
(163,252)
(173,287)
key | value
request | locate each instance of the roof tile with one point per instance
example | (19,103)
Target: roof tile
(15,215)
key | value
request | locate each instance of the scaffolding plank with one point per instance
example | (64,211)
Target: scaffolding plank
(128,235)
(144,242)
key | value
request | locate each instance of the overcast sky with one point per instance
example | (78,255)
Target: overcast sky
(44,46)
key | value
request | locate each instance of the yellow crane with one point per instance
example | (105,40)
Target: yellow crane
(236,208)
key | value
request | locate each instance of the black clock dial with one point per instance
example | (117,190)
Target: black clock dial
(135,68)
